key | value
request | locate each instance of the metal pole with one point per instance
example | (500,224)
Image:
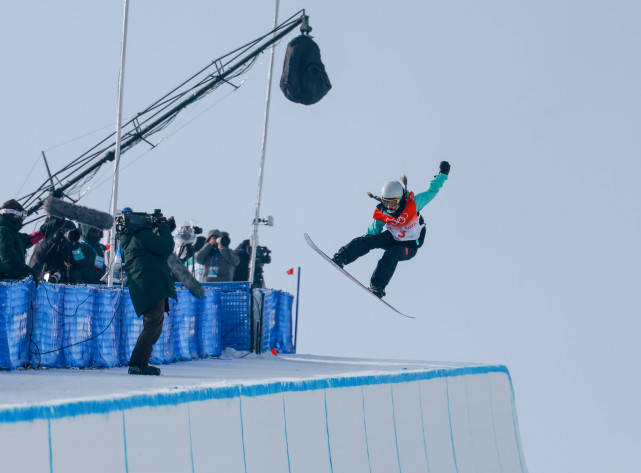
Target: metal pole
(114,189)
(254,238)
(297,299)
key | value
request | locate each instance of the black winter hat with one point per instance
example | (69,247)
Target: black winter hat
(13,204)
(213,233)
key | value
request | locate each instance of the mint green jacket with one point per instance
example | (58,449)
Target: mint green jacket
(421,200)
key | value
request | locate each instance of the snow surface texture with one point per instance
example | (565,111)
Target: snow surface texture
(263,414)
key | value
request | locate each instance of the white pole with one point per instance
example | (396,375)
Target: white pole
(256,223)
(114,189)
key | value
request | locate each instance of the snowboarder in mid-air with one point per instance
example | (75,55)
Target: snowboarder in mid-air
(398,228)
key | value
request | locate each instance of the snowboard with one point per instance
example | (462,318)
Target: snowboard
(311,243)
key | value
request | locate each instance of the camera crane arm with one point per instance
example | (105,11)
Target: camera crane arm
(158,115)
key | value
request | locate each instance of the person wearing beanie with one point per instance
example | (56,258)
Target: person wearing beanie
(219,261)
(13,244)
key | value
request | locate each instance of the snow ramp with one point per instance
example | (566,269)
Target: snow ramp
(263,414)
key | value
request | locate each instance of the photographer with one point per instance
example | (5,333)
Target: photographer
(88,265)
(13,244)
(263,257)
(147,243)
(219,261)
(52,258)
(190,240)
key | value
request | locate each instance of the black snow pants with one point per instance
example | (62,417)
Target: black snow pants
(152,328)
(395,251)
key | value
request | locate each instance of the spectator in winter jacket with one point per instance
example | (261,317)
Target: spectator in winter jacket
(88,265)
(13,244)
(219,261)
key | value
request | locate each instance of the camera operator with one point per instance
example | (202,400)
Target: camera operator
(147,243)
(52,258)
(263,257)
(13,244)
(190,240)
(88,265)
(219,261)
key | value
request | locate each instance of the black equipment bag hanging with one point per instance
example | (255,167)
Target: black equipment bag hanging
(304,79)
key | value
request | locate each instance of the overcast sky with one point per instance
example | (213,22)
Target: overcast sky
(533,252)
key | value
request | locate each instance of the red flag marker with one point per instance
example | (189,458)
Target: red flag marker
(274,352)
(290,271)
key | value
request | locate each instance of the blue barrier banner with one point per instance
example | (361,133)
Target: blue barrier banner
(76,334)
(106,326)
(184,325)
(284,333)
(15,300)
(208,324)
(47,325)
(163,351)
(266,300)
(130,328)
(98,326)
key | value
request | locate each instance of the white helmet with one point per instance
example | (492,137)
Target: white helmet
(392,193)
(392,190)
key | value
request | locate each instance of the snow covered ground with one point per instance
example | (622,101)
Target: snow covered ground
(66,385)
(263,413)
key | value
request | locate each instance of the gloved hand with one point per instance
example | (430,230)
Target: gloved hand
(171,221)
(444,168)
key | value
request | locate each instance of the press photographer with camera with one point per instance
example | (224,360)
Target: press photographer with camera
(52,258)
(219,261)
(13,244)
(263,257)
(147,243)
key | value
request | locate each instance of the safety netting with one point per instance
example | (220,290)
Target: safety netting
(56,325)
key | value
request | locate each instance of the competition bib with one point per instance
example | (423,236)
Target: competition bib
(406,226)
(78,255)
(406,232)
(99,262)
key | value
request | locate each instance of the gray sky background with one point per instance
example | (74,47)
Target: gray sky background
(533,253)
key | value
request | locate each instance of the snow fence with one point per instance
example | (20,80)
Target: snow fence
(453,420)
(55,325)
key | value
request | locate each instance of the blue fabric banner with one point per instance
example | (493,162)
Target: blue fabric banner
(15,300)
(106,326)
(76,334)
(47,329)
(209,322)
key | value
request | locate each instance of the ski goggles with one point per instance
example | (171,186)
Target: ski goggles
(20,213)
(391,204)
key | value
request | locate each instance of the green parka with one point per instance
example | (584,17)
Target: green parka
(148,275)
(13,247)
(88,264)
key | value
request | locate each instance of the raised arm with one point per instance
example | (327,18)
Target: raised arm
(424,198)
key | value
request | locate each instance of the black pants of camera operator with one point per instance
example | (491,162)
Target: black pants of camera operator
(395,251)
(152,328)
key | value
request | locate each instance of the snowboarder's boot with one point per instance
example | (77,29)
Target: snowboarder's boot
(380,293)
(144,370)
